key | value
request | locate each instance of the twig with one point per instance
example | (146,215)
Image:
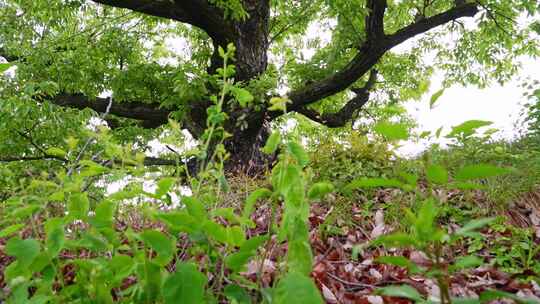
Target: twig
(492,17)
(172,150)
(87,143)
(30,158)
(284,29)
(349,283)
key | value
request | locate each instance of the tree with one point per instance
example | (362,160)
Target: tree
(69,52)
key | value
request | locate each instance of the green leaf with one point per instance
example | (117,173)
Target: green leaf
(40,299)
(252,200)
(161,244)
(54,228)
(465,301)
(438,132)
(399,261)
(78,206)
(437,174)
(298,153)
(104,213)
(243,96)
(491,295)
(320,189)
(466,186)
(121,266)
(392,131)
(473,225)
(221,52)
(272,143)
(285,176)
(465,262)
(410,179)
(216,231)
(151,282)
(278,104)
(164,185)
(425,134)
(425,221)
(374,183)
(195,208)
(4,67)
(467,128)
(92,169)
(179,220)
(479,172)
(395,240)
(56,152)
(435,97)
(297,288)
(9,230)
(186,285)
(227,214)
(254,243)
(94,241)
(299,257)
(236,261)
(235,236)
(236,293)
(403,291)
(25,251)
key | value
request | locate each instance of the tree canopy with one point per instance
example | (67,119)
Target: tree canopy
(326,60)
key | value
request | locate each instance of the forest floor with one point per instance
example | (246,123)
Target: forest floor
(345,266)
(346,271)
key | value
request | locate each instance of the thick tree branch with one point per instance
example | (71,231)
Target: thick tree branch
(148,161)
(149,115)
(371,51)
(424,25)
(199,13)
(375,19)
(156,161)
(345,114)
(7,159)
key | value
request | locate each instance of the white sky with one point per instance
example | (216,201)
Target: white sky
(500,104)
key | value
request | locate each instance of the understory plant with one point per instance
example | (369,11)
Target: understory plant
(84,249)
(425,233)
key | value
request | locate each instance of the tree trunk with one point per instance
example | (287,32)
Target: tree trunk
(245,152)
(251,41)
(250,38)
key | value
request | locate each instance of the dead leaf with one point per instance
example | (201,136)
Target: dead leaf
(375,274)
(419,258)
(328,295)
(379,228)
(375,299)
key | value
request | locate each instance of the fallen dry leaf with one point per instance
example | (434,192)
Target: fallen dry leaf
(379,228)
(328,295)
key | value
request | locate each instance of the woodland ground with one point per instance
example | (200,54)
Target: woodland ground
(341,227)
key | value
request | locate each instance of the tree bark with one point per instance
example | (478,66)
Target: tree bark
(252,41)
(245,152)
(250,37)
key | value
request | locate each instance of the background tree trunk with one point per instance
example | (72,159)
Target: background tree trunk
(245,150)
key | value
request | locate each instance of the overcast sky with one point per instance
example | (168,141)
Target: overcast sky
(500,104)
